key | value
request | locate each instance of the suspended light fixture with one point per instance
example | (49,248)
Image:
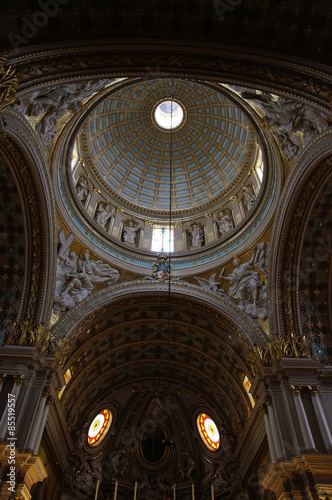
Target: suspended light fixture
(171,104)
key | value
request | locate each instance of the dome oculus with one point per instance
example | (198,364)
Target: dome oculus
(169,114)
(208,431)
(99,426)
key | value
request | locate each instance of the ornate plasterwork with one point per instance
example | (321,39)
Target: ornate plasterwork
(8,84)
(289,345)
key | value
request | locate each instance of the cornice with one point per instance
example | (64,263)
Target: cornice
(301,79)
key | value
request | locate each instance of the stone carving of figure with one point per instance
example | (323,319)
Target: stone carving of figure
(76,279)
(129,232)
(97,271)
(103,213)
(197,235)
(83,476)
(82,188)
(225,222)
(47,129)
(248,197)
(260,257)
(144,483)
(95,469)
(120,464)
(247,286)
(227,441)
(222,479)
(161,484)
(54,101)
(186,466)
(290,117)
(66,264)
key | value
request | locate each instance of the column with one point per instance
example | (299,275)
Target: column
(18,382)
(2,380)
(269,434)
(303,421)
(275,431)
(321,418)
(49,402)
(37,420)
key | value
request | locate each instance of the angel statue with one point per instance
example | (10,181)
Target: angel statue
(211,284)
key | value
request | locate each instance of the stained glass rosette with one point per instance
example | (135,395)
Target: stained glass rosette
(99,426)
(208,431)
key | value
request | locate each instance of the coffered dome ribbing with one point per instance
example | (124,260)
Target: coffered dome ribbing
(128,153)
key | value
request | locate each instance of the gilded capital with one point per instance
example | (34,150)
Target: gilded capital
(46,393)
(49,401)
(263,408)
(3,377)
(288,346)
(18,379)
(313,389)
(296,390)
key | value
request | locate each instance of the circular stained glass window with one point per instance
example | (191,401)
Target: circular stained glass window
(208,431)
(99,426)
(169,114)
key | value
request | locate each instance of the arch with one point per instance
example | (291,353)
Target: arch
(302,188)
(21,152)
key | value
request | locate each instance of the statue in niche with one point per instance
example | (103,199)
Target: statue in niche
(76,278)
(224,221)
(247,286)
(130,229)
(290,118)
(104,212)
(197,235)
(249,197)
(82,188)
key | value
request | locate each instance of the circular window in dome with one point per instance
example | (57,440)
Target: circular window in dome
(99,427)
(169,114)
(208,431)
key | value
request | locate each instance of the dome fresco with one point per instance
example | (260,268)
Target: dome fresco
(128,153)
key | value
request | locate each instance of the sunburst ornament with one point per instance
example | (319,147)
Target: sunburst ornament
(208,431)
(99,426)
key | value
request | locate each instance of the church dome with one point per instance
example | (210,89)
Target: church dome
(129,153)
